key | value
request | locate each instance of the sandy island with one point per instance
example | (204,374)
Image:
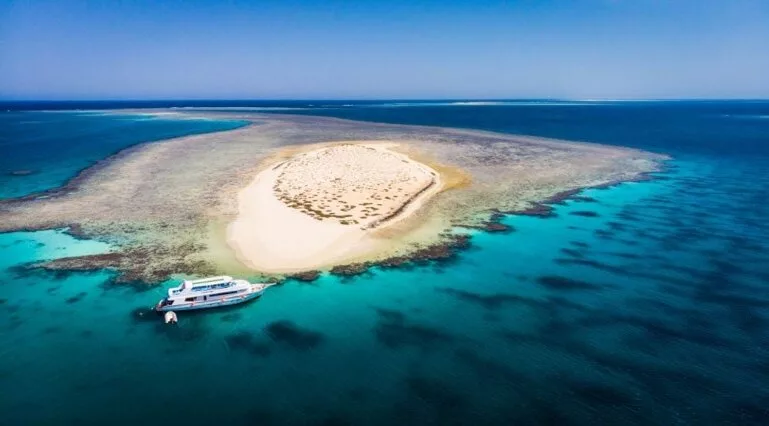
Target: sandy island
(323,207)
(290,194)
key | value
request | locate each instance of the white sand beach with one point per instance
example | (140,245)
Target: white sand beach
(322,207)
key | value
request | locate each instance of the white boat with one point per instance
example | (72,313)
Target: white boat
(170,317)
(209,293)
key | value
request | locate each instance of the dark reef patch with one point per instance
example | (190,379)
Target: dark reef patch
(76,298)
(491,301)
(488,369)
(627,217)
(625,255)
(593,264)
(291,335)
(603,234)
(307,276)
(556,282)
(537,210)
(572,252)
(245,341)
(544,208)
(445,250)
(583,199)
(631,243)
(402,262)
(393,331)
(584,213)
(397,335)
(350,270)
(493,225)
(561,197)
(390,315)
(565,303)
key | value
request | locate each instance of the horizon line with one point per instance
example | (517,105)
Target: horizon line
(10,100)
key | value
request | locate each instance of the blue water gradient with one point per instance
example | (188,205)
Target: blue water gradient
(43,150)
(645,303)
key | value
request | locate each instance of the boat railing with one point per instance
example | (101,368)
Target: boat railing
(187,286)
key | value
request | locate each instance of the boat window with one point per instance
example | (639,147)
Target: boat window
(213,286)
(189,299)
(225,293)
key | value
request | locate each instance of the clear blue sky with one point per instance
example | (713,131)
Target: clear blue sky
(233,49)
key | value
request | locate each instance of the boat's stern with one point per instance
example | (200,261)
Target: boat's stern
(163,305)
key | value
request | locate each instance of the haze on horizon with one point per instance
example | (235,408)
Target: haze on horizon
(142,49)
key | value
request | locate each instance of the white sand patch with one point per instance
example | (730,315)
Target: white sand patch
(322,207)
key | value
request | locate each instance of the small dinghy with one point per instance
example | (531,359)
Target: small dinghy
(170,317)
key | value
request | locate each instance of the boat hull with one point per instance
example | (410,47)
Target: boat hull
(209,304)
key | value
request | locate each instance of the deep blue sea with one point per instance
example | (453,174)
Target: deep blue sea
(653,311)
(43,150)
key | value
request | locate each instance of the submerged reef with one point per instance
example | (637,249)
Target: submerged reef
(165,206)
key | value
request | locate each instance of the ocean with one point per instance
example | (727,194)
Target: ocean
(641,304)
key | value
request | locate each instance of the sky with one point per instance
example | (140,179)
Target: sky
(370,49)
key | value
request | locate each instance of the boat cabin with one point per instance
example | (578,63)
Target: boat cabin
(203,290)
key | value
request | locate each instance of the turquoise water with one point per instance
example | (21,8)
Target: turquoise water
(652,309)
